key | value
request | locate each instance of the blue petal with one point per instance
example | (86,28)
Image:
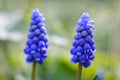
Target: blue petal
(33,51)
(27,50)
(92,42)
(75,43)
(41,61)
(82,58)
(41,24)
(85,16)
(29,42)
(35,40)
(88,39)
(29,58)
(37,32)
(46,45)
(80,49)
(87,63)
(42,36)
(77,36)
(82,41)
(84,33)
(34,16)
(43,30)
(92,57)
(87,46)
(91,22)
(33,47)
(32,22)
(90,30)
(93,47)
(33,27)
(41,44)
(43,50)
(37,56)
(80,28)
(44,56)
(73,51)
(90,53)
(74,59)
(45,39)
(31,35)
(92,35)
(39,20)
(80,23)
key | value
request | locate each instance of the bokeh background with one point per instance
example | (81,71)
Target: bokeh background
(61,17)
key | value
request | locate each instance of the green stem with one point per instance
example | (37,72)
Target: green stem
(79,72)
(34,70)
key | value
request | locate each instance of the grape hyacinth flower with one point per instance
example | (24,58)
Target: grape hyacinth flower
(37,43)
(83,47)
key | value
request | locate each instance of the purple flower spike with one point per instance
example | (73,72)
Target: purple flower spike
(83,46)
(36,49)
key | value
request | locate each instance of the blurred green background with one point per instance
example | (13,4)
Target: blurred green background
(61,17)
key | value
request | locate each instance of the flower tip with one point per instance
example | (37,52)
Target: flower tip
(35,10)
(84,13)
(85,16)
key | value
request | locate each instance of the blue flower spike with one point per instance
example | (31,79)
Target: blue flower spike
(36,49)
(83,46)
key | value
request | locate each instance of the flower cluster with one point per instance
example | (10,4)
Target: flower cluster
(83,46)
(37,43)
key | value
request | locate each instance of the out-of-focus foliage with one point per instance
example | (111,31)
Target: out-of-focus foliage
(61,17)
